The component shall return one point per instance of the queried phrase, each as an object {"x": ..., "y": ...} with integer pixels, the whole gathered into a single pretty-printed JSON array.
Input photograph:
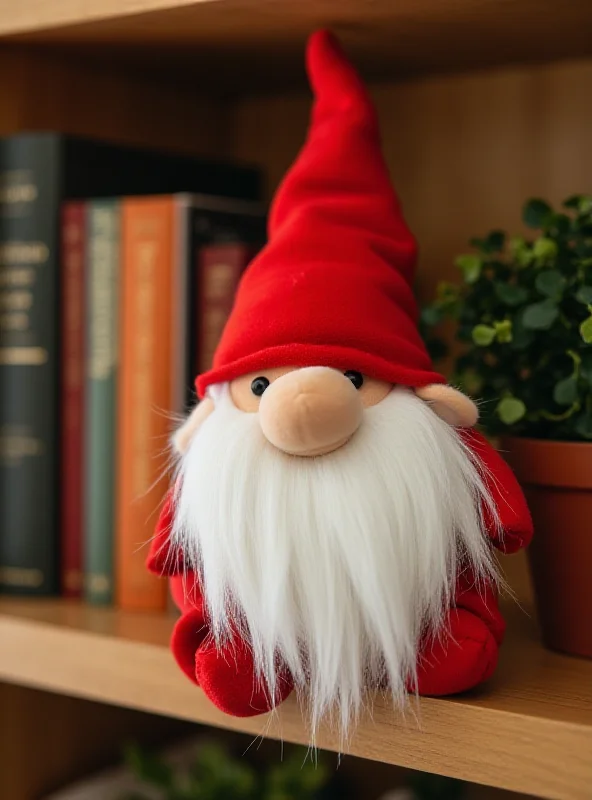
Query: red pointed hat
[{"x": 334, "y": 284}]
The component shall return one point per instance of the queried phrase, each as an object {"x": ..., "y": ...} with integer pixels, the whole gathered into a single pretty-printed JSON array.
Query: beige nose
[{"x": 310, "y": 411}]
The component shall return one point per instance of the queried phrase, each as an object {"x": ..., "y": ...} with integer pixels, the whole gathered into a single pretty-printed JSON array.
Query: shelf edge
[{"x": 458, "y": 739}]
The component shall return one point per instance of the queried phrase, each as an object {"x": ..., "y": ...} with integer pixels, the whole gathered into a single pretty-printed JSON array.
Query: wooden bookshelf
[
  {"x": 529, "y": 731},
  {"x": 233, "y": 42},
  {"x": 482, "y": 103}
]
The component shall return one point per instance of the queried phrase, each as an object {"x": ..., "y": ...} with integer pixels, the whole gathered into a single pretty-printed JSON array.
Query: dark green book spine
[
  {"x": 101, "y": 387},
  {"x": 29, "y": 317}
]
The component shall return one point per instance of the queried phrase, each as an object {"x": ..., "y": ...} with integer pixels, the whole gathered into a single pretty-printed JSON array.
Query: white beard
[{"x": 337, "y": 565}]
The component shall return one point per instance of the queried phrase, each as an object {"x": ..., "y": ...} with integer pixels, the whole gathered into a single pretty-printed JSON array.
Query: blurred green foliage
[
  {"x": 523, "y": 309},
  {"x": 216, "y": 774}
]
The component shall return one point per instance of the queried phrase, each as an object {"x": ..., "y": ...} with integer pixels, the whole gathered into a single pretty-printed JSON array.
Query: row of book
[{"x": 118, "y": 269}]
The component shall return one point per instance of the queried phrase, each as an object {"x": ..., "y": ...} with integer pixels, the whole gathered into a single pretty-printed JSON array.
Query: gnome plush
[{"x": 332, "y": 522}]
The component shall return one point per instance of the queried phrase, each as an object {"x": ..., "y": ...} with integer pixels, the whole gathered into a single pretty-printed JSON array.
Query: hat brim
[{"x": 306, "y": 355}]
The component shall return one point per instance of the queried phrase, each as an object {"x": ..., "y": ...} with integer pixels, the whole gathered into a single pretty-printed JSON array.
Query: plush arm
[
  {"x": 514, "y": 516},
  {"x": 162, "y": 560}
]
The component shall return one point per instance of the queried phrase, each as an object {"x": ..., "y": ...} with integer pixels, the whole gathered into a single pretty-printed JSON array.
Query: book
[
  {"x": 161, "y": 243},
  {"x": 29, "y": 297},
  {"x": 72, "y": 354},
  {"x": 38, "y": 171},
  {"x": 102, "y": 310},
  {"x": 225, "y": 235},
  {"x": 219, "y": 269},
  {"x": 150, "y": 229}
]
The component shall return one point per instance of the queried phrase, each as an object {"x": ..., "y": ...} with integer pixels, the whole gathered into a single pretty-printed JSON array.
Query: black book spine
[
  {"x": 29, "y": 317},
  {"x": 208, "y": 226}
]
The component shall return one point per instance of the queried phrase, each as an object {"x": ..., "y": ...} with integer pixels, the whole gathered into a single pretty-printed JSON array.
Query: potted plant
[{"x": 524, "y": 347}]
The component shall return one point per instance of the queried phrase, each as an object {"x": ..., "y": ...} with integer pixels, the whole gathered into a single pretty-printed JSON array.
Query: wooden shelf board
[
  {"x": 252, "y": 43},
  {"x": 530, "y": 730}
]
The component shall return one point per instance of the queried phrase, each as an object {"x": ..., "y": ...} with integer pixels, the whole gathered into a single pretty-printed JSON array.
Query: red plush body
[{"x": 465, "y": 656}]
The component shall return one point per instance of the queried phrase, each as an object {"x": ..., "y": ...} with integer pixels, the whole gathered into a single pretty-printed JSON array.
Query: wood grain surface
[
  {"x": 529, "y": 730},
  {"x": 85, "y": 97},
  {"x": 246, "y": 42}
]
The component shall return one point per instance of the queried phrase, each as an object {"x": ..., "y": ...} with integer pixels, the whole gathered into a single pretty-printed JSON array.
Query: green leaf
[
  {"x": 510, "y": 410},
  {"x": 493, "y": 242},
  {"x": 483, "y": 335},
  {"x": 585, "y": 204},
  {"x": 471, "y": 265},
  {"x": 551, "y": 283},
  {"x": 521, "y": 251},
  {"x": 510, "y": 294},
  {"x": 521, "y": 338},
  {"x": 572, "y": 202},
  {"x": 586, "y": 368},
  {"x": 576, "y": 360},
  {"x": 583, "y": 425},
  {"x": 544, "y": 249},
  {"x": 470, "y": 382},
  {"x": 540, "y": 316},
  {"x": 560, "y": 417},
  {"x": 431, "y": 315},
  {"x": 536, "y": 213},
  {"x": 447, "y": 293},
  {"x": 503, "y": 331},
  {"x": 149, "y": 767},
  {"x": 584, "y": 295},
  {"x": 560, "y": 223},
  {"x": 565, "y": 392},
  {"x": 586, "y": 330}
]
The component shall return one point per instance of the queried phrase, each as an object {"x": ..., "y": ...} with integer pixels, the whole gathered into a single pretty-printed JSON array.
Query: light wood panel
[
  {"x": 41, "y": 90},
  {"x": 239, "y": 42},
  {"x": 530, "y": 730},
  {"x": 464, "y": 151},
  {"x": 47, "y": 740}
]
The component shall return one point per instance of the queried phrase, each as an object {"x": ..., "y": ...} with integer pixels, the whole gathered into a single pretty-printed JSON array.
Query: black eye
[
  {"x": 259, "y": 385},
  {"x": 355, "y": 377}
]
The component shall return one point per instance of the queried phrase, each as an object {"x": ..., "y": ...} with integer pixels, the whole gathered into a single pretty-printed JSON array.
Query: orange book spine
[{"x": 146, "y": 392}]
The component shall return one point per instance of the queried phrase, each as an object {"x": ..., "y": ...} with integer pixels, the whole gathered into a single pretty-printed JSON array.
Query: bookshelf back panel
[
  {"x": 48, "y": 740},
  {"x": 49, "y": 91}
]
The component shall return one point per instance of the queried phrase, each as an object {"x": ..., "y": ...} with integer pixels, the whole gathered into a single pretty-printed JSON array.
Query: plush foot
[
  {"x": 465, "y": 656},
  {"x": 189, "y": 633},
  {"x": 228, "y": 679}
]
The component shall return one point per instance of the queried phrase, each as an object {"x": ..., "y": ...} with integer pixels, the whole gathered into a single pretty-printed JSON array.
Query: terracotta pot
[{"x": 557, "y": 481}]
